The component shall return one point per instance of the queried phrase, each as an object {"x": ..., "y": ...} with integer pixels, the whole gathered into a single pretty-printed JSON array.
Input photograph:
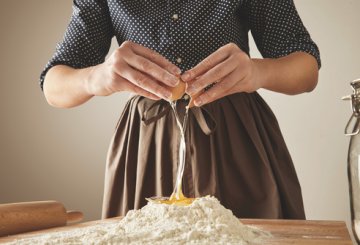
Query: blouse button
[
  {"x": 178, "y": 60},
  {"x": 175, "y": 17}
]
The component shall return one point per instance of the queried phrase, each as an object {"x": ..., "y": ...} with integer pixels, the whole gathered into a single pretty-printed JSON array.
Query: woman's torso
[{"x": 185, "y": 32}]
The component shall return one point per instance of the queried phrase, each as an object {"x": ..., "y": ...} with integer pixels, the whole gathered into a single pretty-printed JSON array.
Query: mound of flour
[{"x": 205, "y": 221}]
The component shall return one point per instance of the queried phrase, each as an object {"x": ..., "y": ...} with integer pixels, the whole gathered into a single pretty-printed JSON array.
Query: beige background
[{"x": 48, "y": 153}]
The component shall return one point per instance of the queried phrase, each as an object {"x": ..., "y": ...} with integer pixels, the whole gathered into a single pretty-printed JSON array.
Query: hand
[
  {"x": 134, "y": 68},
  {"x": 229, "y": 68}
]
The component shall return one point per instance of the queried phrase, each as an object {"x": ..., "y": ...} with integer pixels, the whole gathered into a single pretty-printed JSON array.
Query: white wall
[
  {"x": 48, "y": 153},
  {"x": 313, "y": 123}
]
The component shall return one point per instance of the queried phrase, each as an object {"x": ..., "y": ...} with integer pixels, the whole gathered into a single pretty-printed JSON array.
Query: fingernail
[
  {"x": 176, "y": 71},
  {"x": 167, "y": 94},
  {"x": 173, "y": 80},
  {"x": 198, "y": 101},
  {"x": 185, "y": 77}
]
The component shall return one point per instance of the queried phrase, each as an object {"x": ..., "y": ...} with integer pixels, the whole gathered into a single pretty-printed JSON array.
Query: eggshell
[{"x": 178, "y": 91}]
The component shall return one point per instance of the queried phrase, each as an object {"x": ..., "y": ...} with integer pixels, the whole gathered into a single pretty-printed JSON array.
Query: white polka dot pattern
[
  {"x": 185, "y": 32},
  {"x": 278, "y": 30}
]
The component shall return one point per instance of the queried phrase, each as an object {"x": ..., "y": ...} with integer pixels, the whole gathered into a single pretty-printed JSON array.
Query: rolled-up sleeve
[
  {"x": 278, "y": 30},
  {"x": 87, "y": 38}
]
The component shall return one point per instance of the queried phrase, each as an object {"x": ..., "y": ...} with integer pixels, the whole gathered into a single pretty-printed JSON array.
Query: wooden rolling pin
[{"x": 31, "y": 216}]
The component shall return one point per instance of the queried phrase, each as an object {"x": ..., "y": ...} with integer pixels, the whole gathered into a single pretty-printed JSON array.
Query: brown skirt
[{"x": 235, "y": 152}]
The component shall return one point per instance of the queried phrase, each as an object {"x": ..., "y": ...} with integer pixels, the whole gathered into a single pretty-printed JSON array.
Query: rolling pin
[{"x": 31, "y": 216}]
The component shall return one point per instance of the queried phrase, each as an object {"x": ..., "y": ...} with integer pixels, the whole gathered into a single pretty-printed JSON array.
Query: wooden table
[{"x": 283, "y": 231}]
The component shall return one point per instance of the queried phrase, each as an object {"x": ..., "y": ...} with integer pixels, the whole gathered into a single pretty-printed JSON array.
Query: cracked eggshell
[{"x": 178, "y": 91}]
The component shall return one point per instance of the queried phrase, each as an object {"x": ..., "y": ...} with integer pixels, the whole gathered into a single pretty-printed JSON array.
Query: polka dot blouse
[{"x": 184, "y": 31}]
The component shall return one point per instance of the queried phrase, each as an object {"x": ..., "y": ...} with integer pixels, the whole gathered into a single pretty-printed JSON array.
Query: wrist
[
  {"x": 261, "y": 73},
  {"x": 90, "y": 75}
]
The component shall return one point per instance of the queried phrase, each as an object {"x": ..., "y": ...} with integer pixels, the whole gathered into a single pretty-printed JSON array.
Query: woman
[{"x": 235, "y": 148}]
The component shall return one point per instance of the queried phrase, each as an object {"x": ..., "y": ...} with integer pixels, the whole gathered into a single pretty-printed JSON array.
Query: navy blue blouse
[{"x": 184, "y": 31}]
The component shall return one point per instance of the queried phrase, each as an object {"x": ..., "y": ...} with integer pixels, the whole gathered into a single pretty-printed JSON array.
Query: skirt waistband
[{"x": 160, "y": 108}]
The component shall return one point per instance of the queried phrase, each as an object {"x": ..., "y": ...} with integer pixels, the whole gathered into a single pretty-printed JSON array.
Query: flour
[{"x": 205, "y": 221}]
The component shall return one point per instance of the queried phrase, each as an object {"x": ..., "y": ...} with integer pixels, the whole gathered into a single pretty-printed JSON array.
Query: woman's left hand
[{"x": 230, "y": 68}]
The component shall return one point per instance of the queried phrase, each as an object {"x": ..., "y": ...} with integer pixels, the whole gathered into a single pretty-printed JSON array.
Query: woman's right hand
[{"x": 134, "y": 68}]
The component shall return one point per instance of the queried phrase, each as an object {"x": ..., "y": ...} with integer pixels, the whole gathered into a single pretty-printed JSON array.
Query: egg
[
  {"x": 178, "y": 91},
  {"x": 176, "y": 198}
]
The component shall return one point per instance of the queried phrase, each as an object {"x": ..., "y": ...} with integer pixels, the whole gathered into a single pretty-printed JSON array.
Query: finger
[
  {"x": 156, "y": 58},
  {"x": 137, "y": 90},
  {"x": 209, "y": 62},
  {"x": 145, "y": 82},
  {"x": 219, "y": 90},
  {"x": 192, "y": 99},
  {"x": 215, "y": 74},
  {"x": 121, "y": 84},
  {"x": 148, "y": 67}
]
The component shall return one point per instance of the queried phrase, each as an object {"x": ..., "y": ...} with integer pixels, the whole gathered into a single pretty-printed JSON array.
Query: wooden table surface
[{"x": 283, "y": 231}]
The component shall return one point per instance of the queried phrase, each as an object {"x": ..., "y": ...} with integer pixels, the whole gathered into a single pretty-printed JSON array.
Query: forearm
[
  {"x": 293, "y": 74},
  {"x": 66, "y": 87}
]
